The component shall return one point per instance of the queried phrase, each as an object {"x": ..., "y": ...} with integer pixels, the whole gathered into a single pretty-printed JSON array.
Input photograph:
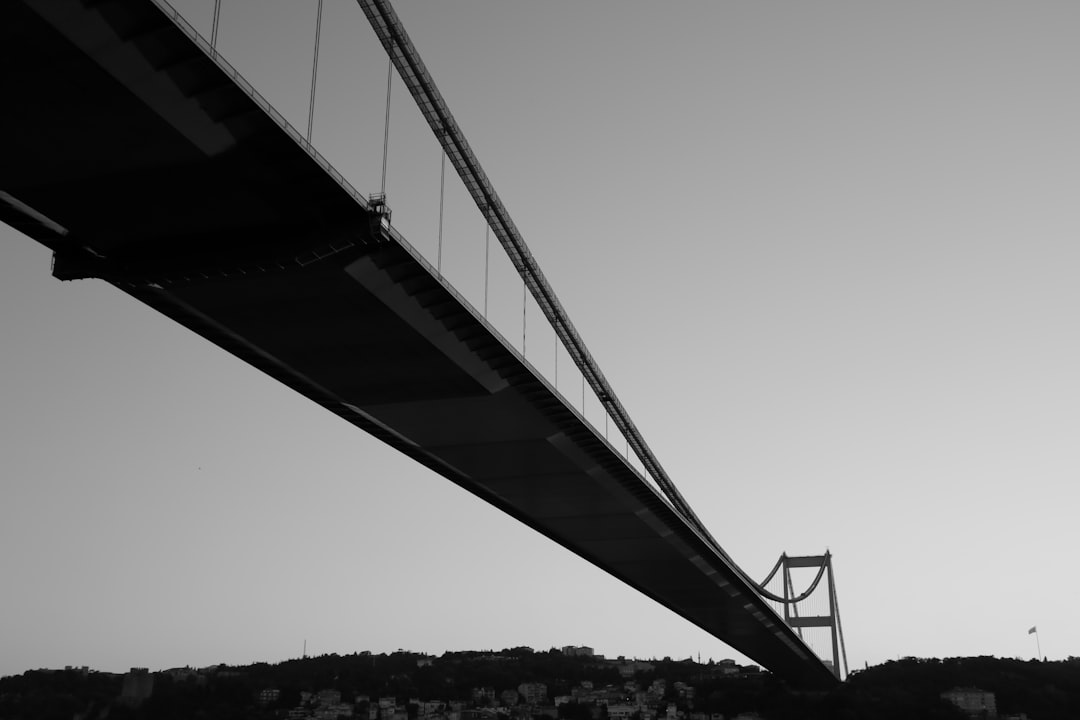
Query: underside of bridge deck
[{"x": 137, "y": 160}]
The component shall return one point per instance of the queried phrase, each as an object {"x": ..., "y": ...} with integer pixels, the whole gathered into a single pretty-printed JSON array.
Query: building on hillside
[
  {"x": 533, "y": 693},
  {"x": 138, "y": 686},
  {"x": 268, "y": 695},
  {"x": 973, "y": 701},
  {"x": 578, "y": 651},
  {"x": 483, "y": 696},
  {"x": 431, "y": 708},
  {"x": 334, "y": 711},
  {"x": 329, "y": 697},
  {"x": 627, "y": 668},
  {"x": 621, "y": 712},
  {"x": 685, "y": 692}
]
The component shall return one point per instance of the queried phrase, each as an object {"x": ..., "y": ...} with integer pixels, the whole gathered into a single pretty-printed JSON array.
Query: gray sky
[{"x": 826, "y": 254}]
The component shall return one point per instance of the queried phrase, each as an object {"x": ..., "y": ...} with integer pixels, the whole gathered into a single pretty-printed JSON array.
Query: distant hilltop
[{"x": 570, "y": 683}]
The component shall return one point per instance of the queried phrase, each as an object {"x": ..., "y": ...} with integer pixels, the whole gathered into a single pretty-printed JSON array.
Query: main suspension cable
[{"x": 418, "y": 80}]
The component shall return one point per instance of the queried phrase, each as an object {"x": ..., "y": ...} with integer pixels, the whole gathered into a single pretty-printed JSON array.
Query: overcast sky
[{"x": 826, "y": 253}]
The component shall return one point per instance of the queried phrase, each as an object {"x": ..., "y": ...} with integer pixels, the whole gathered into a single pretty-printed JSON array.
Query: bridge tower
[{"x": 826, "y": 617}]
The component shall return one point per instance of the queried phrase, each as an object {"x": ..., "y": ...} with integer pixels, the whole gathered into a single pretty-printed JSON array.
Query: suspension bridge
[{"x": 235, "y": 226}]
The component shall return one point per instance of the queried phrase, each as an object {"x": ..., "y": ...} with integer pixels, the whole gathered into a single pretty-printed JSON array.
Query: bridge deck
[{"x": 137, "y": 160}]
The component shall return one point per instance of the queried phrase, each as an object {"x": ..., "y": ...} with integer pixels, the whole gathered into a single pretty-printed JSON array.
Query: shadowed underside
[{"x": 138, "y": 160}]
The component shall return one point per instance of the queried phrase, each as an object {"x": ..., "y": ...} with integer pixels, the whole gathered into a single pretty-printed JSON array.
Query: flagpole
[{"x": 1038, "y": 645}]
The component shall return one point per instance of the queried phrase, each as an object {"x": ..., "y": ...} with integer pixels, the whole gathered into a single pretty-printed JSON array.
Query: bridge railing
[{"x": 181, "y": 22}]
